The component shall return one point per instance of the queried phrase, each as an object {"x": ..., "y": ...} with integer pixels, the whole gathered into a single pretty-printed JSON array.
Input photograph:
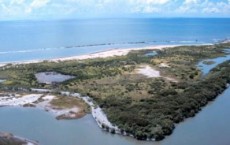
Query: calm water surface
[
  {"x": 30, "y": 40},
  {"x": 209, "y": 127},
  {"x": 52, "y": 77},
  {"x": 21, "y": 41},
  {"x": 150, "y": 54},
  {"x": 206, "y": 68}
]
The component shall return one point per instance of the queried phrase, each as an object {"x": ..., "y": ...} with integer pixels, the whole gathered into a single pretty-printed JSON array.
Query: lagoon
[
  {"x": 206, "y": 128},
  {"x": 69, "y": 38}
]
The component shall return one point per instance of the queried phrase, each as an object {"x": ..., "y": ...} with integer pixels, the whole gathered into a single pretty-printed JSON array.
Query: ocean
[
  {"x": 36, "y": 40},
  {"x": 32, "y": 40}
]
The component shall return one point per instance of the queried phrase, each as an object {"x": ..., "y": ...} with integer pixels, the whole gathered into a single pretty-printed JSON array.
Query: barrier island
[{"x": 143, "y": 93}]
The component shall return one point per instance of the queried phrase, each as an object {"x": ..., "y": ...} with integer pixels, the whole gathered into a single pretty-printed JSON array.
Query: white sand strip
[
  {"x": 59, "y": 112},
  {"x": 103, "y": 54},
  {"x": 112, "y": 53},
  {"x": 97, "y": 113},
  {"x": 17, "y": 100},
  {"x": 14, "y": 101},
  {"x": 101, "y": 118},
  {"x": 41, "y": 90}
]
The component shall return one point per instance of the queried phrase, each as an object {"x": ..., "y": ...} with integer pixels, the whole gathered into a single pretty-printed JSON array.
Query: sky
[{"x": 71, "y": 9}]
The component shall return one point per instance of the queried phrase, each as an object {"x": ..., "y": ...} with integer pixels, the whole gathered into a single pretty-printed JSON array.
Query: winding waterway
[
  {"x": 206, "y": 68},
  {"x": 209, "y": 127}
]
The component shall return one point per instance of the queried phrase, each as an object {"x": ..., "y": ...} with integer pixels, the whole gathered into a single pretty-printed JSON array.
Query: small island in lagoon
[{"x": 128, "y": 91}]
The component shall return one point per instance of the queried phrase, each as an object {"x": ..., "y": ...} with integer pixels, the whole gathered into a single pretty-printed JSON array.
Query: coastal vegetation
[
  {"x": 64, "y": 102},
  {"x": 10, "y": 139},
  {"x": 67, "y": 102},
  {"x": 208, "y": 62},
  {"x": 140, "y": 106}
]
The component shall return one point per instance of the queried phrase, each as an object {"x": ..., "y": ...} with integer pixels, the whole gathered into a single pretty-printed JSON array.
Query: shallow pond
[
  {"x": 151, "y": 53},
  {"x": 209, "y": 127},
  {"x": 206, "y": 68},
  {"x": 52, "y": 77}
]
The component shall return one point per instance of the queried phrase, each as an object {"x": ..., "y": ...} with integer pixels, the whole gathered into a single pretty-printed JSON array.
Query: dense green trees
[
  {"x": 143, "y": 107},
  {"x": 156, "y": 116}
]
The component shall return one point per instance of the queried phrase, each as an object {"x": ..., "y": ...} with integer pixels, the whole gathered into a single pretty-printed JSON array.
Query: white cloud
[
  {"x": 39, "y": 3},
  {"x": 211, "y": 10},
  {"x": 147, "y": 6},
  {"x": 205, "y": 7},
  {"x": 150, "y": 9},
  {"x": 94, "y": 8},
  {"x": 35, "y": 4},
  {"x": 17, "y": 2},
  {"x": 187, "y": 2},
  {"x": 9, "y": 9},
  {"x": 149, "y": 2}
]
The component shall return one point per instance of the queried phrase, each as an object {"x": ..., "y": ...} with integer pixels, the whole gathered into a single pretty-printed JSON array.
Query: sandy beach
[
  {"x": 112, "y": 53},
  {"x": 41, "y": 101},
  {"x": 101, "y": 54}
]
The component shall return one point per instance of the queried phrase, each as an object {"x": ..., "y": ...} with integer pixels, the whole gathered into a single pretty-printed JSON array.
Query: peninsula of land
[{"x": 141, "y": 92}]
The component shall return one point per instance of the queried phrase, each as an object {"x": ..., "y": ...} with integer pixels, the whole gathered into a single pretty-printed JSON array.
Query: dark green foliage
[
  {"x": 143, "y": 107},
  {"x": 11, "y": 141},
  {"x": 170, "y": 107}
]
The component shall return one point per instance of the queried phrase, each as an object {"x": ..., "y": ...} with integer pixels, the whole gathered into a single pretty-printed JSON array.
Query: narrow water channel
[
  {"x": 206, "y": 68},
  {"x": 209, "y": 127}
]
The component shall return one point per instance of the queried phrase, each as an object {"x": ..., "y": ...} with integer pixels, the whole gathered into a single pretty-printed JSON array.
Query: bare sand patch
[
  {"x": 164, "y": 65},
  {"x": 40, "y": 101},
  {"x": 148, "y": 71}
]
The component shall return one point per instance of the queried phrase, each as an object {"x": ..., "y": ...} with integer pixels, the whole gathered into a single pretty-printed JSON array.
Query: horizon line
[{"x": 101, "y": 18}]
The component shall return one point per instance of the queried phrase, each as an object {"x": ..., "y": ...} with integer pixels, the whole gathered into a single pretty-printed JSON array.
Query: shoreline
[
  {"x": 41, "y": 100},
  {"x": 113, "y": 52},
  {"x": 103, "y": 122},
  {"x": 17, "y": 139}
]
